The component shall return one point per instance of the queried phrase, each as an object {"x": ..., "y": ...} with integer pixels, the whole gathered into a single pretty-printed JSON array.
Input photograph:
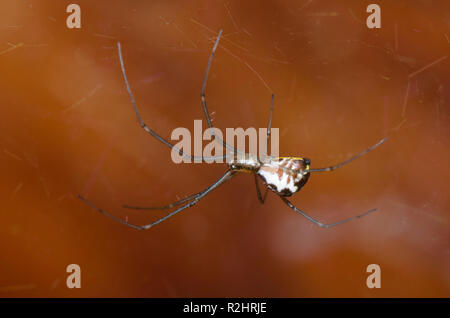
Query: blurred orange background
[{"x": 67, "y": 127}]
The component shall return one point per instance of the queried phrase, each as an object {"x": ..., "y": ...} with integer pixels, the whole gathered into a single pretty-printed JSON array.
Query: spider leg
[
  {"x": 144, "y": 126},
  {"x": 331, "y": 168},
  {"x": 261, "y": 198},
  {"x": 165, "y": 207},
  {"x": 203, "y": 97},
  {"x": 258, "y": 191},
  {"x": 228, "y": 174},
  {"x": 289, "y": 204},
  {"x": 269, "y": 127}
]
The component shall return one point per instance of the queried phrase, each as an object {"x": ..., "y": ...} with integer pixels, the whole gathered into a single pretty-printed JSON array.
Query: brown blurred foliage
[{"x": 67, "y": 127}]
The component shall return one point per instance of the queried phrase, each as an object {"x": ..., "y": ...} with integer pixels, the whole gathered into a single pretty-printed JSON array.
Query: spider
[{"x": 284, "y": 176}]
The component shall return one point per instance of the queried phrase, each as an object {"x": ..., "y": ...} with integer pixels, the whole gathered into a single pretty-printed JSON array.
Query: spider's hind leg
[
  {"x": 331, "y": 168},
  {"x": 289, "y": 204},
  {"x": 261, "y": 198}
]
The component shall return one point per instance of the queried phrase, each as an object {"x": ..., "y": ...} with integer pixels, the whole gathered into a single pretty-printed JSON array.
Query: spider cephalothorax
[{"x": 245, "y": 163}]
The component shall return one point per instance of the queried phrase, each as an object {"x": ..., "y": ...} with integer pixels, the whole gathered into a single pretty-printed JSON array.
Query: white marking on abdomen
[{"x": 286, "y": 182}]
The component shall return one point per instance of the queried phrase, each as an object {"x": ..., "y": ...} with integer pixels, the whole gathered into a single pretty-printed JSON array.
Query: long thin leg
[
  {"x": 224, "y": 178},
  {"x": 205, "y": 79},
  {"x": 349, "y": 160},
  {"x": 144, "y": 126},
  {"x": 169, "y": 206},
  {"x": 289, "y": 204},
  {"x": 261, "y": 198},
  {"x": 203, "y": 97},
  {"x": 269, "y": 126}
]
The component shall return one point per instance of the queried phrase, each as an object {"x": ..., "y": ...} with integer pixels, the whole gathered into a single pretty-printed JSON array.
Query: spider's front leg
[
  {"x": 195, "y": 198},
  {"x": 165, "y": 207}
]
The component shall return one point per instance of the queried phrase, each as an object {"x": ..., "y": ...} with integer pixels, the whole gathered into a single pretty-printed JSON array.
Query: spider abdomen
[{"x": 285, "y": 175}]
